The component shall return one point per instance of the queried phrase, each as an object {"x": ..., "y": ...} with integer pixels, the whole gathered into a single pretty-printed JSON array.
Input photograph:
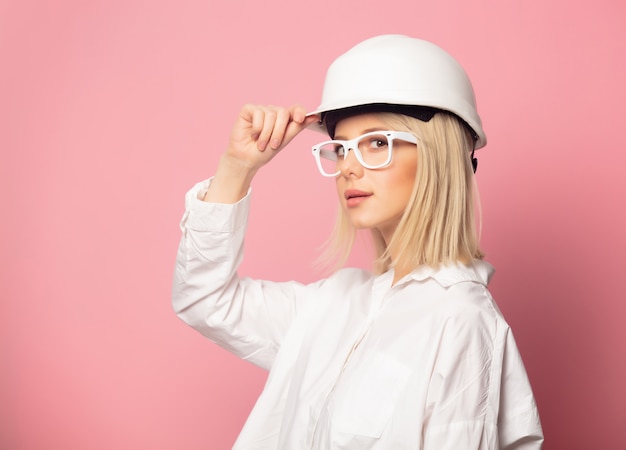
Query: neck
[
  {"x": 401, "y": 269},
  {"x": 399, "y": 272}
]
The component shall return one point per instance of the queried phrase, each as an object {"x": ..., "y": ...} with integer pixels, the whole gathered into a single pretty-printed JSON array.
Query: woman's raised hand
[
  {"x": 261, "y": 131},
  {"x": 258, "y": 134}
]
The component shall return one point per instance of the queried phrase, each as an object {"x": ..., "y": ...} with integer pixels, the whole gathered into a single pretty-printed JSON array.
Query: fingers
[
  {"x": 300, "y": 121},
  {"x": 282, "y": 118},
  {"x": 273, "y": 126},
  {"x": 298, "y": 113},
  {"x": 289, "y": 123}
]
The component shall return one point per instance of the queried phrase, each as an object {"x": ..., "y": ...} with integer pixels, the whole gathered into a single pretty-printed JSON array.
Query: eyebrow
[{"x": 368, "y": 130}]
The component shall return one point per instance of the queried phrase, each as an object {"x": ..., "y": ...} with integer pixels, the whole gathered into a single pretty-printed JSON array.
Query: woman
[{"x": 413, "y": 356}]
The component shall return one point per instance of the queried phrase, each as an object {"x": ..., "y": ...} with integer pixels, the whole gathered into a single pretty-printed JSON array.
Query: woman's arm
[
  {"x": 258, "y": 134},
  {"x": 246, "y": 317}
]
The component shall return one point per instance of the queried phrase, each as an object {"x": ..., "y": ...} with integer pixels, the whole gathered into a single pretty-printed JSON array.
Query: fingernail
[{"x": 261, "y": 145}]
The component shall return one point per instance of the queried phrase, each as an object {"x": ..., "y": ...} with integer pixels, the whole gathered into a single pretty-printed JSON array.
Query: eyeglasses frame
[{"x": 353, "y": 144}]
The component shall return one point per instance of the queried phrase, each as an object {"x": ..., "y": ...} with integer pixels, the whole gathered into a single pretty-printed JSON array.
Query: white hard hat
[{"x": 400, "y": 71}]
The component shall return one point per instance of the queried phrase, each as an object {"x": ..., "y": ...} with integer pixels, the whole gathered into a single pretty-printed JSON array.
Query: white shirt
[{"x": 356, "y": 363}]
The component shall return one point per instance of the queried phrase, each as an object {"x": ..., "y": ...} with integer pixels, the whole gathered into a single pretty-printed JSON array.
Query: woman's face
[{"x": 375, "y": 199}]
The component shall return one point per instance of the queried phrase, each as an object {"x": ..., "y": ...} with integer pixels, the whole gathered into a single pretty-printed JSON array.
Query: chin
[{"x": 361, "y": 224}]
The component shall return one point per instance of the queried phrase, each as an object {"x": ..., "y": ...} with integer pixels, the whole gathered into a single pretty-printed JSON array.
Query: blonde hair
[{"x": 438, "y": 225}]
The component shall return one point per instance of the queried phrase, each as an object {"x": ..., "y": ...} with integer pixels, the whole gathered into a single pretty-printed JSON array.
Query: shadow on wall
[{"x": 553, "y": 287}]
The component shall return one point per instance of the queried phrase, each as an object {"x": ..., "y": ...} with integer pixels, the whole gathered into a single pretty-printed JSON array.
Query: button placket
[{"x": 380, "y": 291}]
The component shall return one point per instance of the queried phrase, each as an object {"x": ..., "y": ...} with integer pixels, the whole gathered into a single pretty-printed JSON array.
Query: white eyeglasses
[{"x": 372, "y": 150}]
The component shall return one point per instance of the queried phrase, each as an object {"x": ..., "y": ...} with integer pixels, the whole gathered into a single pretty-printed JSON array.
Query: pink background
[{"x": 110, "y": 110}]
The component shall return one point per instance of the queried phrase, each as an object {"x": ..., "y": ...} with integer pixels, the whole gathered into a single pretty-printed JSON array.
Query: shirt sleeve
[
  {"x": 479, "y": 395},
  {"x": 246, "y": 317},
  {"x": 518, "y": 422},
  {"x": 458, "y": 392}
]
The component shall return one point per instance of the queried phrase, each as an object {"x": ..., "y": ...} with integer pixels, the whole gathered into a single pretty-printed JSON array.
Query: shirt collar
[{"x": 477, "y": 271}]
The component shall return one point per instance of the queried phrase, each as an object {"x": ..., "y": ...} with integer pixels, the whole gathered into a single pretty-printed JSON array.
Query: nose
[{"x": 350, "y": 165}]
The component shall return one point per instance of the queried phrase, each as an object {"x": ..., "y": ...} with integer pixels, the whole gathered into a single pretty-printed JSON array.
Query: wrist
[{"x": 231, "y": 181}]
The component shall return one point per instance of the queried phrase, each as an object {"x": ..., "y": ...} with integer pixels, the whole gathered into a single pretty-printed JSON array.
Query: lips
[
  {"x": 352, "y": 193},
  {"x": 354, "y": 197}
]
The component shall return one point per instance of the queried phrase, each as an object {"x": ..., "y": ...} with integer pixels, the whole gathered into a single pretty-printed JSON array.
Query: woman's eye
[
  {"x": 339, "y": 150},
  {"x": 378, "y": 143}
]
